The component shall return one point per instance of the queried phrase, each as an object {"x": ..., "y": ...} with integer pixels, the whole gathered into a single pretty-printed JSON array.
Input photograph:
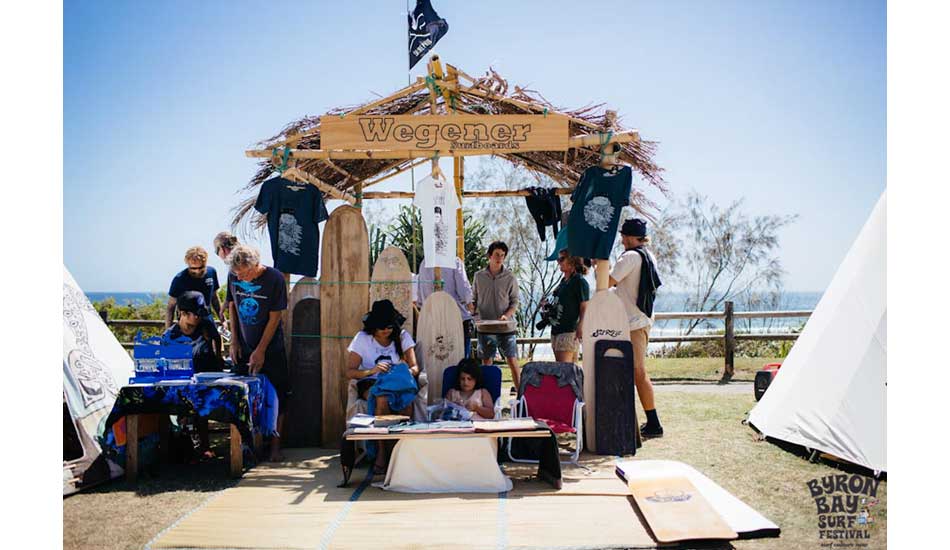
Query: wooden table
[{"x": 235, "y": 464}]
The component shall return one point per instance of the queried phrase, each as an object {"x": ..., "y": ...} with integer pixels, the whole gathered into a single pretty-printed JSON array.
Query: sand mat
[{"x": 297, "y": 505}]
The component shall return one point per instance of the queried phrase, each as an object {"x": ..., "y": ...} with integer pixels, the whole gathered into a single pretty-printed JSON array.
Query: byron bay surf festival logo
[{"x": 845, "y": 507}]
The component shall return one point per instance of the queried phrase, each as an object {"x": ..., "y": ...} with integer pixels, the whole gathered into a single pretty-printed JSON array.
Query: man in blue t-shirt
[
  {"x": 293, "y": 211},
  {"x": 259, "y": 298},
  {"x": 198, "y": 276}
]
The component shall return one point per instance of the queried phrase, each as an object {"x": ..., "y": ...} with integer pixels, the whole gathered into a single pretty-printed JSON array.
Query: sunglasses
[
  {"x": 197, "y": 269},
  {"x": 562, "y": 258}
]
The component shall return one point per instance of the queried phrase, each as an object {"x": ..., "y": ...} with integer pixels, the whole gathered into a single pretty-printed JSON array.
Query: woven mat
[{"x": 297, "y": 505}]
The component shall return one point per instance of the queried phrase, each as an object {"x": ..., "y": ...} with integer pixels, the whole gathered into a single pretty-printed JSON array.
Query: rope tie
[
  {"x": 283, "y": 163},
  {"x": 604, "y": 141}
]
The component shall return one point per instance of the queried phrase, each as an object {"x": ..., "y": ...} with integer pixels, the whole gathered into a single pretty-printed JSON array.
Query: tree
[
  {"x": 718, "y": 254},
  {"x": 405, "y": 233}
]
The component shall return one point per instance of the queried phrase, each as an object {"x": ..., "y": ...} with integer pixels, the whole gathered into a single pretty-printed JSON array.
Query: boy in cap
[
  {"x": 194, "y": 323},
  {"x": 635, "y": 279}
]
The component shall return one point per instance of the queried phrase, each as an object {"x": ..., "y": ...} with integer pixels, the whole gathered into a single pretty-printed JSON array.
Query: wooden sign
[{"x": 468, "y": 133}]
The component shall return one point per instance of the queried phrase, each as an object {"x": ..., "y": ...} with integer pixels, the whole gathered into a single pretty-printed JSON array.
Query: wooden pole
[
  {"x": 131, "y": 447},
  {"x": 285, "y": 317},
  {"x": 297, "y": 174},
  {"x": 459, "y": 225},
  {"x": 730, "y": 344},
  {"x": 435, "y": 69},
  {"x": 467, "y": 194}
]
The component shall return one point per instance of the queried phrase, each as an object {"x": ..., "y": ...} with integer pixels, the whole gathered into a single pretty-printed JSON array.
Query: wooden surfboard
[
  {"x": 344, "y": 259},
  {"x": 391, "y": 265},
  {"x": 306, "y": 404},
  {"x": 303, "y": 288},
  {"x": 676, "y": 511},
  {"x": 441, "y": 342},
  {"x": 605, "y": 319}
]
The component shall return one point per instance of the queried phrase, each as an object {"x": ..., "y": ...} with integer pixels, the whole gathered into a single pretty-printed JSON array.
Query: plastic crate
[{"x": 157, "y": 358}]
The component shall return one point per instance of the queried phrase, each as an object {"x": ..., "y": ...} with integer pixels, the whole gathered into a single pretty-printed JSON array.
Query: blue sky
[{"x": 781, "y": 103}]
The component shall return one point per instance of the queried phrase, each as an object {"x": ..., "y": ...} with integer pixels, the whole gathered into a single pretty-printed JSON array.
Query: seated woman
[
  {"x": 470, "y": 393},
  {"x": 195, "y": 324},
  {"x": 374, "y": 350}
]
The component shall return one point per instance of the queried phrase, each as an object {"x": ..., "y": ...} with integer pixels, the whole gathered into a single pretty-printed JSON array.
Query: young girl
[{"x": 469, "y": 393}]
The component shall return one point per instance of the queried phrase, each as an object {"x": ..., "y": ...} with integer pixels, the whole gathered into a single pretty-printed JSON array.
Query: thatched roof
[{"x": 489, "y": 94}]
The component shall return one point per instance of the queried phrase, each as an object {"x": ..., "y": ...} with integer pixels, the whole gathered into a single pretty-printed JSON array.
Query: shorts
[
  {"x": 275, "y": 367},
  {"x": 488, "y": 344},
  {"x": 565, "y": 341}
]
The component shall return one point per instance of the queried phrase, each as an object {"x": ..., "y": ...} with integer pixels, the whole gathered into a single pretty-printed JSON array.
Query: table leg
[
  {"x": 164, "y": 433},
  {"x": 237, "y": 457},
  {"x": 131, "y": 447}
]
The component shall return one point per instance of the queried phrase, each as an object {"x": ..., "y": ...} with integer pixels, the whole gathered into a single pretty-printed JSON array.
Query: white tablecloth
[{"x": 464, "y": 464}]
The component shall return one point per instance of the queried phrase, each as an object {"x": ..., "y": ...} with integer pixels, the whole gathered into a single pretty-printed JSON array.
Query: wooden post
[
  {"x": 459, "y": 225},
  {"x": 104, "y": 313},
  {"x": 285, "y": 317},
  {"x": 237, "y": 458},
  {"x": 131, "y": 447},
  {"x": 730, "y": 344},
  {"x": 435, "y": 69}
]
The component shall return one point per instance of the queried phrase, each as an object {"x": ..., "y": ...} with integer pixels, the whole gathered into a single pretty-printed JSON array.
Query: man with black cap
[
  {"x": 195, "y": 324},
  {"x": 635, "y": 279}
]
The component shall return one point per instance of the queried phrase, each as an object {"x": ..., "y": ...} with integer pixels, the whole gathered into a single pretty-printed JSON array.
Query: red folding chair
[{"x": 557, "y": 407}]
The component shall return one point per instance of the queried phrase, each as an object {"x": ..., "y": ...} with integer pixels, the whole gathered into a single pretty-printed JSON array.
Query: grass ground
[{"x": 704, "y": 430}]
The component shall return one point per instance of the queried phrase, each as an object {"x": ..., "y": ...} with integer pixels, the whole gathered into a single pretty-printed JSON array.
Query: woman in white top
[{"x": 374, "y": 350}]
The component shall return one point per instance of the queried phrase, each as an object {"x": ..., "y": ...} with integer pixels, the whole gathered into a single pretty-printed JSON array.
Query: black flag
[{"x": 425, "y": 29}]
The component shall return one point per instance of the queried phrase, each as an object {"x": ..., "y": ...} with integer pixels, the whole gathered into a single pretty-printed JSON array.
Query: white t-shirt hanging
[{"x": 438, "y": 203}]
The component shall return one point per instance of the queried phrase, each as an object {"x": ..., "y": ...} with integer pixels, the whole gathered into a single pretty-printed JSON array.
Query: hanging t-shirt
[
  {"x": 566, "y": 303},
  {"x": 207, "y": 284},
  {"x": 254, "y": 301},
  {"x": 598, "y": 199},
  {"x": 293, "y": 211},
  {"x": 438, "y": 203},
  {"x": 372, "y": 352}
]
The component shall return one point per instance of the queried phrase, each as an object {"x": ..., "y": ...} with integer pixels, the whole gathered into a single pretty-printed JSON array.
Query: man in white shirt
[{"x": 627, "y": 276}]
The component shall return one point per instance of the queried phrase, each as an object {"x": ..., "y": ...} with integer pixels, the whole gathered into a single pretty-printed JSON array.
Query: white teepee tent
[
  {"x": 94, "y": 368},
  {"x": 831, "y": 392}
]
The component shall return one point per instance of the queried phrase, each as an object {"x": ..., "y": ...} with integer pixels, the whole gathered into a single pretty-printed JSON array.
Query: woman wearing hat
[{"x": 374, "y": 350}]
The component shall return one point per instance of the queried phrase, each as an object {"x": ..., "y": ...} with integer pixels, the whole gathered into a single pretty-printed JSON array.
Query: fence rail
[{"x": 728, "y": 315}]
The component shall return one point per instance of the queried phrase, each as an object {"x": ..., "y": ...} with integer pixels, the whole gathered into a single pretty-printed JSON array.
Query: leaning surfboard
[
  {"x": 605, "y": 319},
  {"x": 344, "y": 299},
  {"x": 305, "y": 365},
  {"x": 391, "y": 281},
  {"x": 441, "y": 342}
]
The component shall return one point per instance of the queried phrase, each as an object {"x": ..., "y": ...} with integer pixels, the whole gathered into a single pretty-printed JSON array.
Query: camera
[{"x": 546, "y": 309}]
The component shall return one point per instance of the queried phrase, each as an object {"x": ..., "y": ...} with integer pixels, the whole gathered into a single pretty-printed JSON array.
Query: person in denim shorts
[
  {"x": 495, "y": 298},
  {"x": 567, "y": 306}
]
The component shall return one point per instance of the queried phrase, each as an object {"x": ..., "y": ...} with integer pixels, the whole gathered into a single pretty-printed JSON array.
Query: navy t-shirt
[
  {"x": 254, "y": 301},
  {"x": 206, "y": 285},
  {"x": 293, "y": 211},
  {"x": 599, "y": 197},
  {"x": 202, "y": 339}
]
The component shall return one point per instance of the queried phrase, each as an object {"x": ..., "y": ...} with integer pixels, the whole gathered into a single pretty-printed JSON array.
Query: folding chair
[
  {"x": 558, "y": 407},
  {"x": 491, "y": 379}
]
